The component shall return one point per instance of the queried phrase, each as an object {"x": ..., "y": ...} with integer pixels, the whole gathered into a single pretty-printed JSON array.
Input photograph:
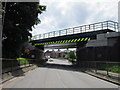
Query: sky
[{"x": 62, "y": 14}]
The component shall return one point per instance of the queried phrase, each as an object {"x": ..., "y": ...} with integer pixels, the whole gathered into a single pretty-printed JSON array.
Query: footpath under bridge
[{"x": 73, "y": 37}]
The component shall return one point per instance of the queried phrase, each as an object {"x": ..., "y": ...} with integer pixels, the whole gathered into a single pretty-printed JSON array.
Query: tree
[
  {"x": 18, "y": 20},
  {"x": 72, "y": 55}
]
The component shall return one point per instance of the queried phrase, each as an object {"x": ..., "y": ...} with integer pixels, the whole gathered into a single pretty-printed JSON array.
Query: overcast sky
[{"x": 62, "y": 14}]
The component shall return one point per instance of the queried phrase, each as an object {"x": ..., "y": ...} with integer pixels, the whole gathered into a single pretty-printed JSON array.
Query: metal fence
[
  {"x": 80, "y": 29},
  {"x": 110, "y": 69},
  {"x": 9, "y": 65}
]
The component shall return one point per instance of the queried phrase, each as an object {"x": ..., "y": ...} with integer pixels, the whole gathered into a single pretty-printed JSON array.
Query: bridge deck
[{"x": 85, "y": 31}]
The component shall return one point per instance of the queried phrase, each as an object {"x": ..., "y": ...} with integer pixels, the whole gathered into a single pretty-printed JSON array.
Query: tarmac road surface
[{"x": 57, "y": 76}]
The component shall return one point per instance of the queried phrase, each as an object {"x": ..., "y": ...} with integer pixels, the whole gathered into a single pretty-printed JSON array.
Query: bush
[
  {"x": 22, "y": 61},
  {"x": 111, "y": 67},
  {"x": 114, "y": 68},
  {"x": 72, "y": 55}
]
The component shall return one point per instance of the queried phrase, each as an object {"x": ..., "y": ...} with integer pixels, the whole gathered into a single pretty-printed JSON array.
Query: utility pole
[
  {"x": 1, "y": 41},
  {"x": 119, "y": 15},
  {"x": 1, "y": 29}
]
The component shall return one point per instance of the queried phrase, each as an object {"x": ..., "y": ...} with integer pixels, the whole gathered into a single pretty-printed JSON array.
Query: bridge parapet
[{"x": 80, "y": 29}]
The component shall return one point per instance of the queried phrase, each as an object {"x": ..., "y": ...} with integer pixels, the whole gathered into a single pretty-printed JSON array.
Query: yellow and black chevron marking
[{"x": 64, "y": 41}]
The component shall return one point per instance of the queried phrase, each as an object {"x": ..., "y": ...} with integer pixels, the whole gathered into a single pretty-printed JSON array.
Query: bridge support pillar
[
  {"x": 104, "y": 48},
  {"x": 79, "y": 52},
  {"x": 34, "y": 52}
]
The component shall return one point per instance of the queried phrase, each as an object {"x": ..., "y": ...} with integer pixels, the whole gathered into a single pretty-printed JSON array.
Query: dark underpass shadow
[
  {"x": 62, "y": 67},
  {"x": 9, "y": 72},
  {"x": 20, "y": 70}
]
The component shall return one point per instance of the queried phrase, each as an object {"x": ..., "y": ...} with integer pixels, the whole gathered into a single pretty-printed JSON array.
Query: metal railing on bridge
[{"x": 80, "y": 29}]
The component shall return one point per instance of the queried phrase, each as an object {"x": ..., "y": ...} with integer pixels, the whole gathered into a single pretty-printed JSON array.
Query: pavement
[
  {"x": 18, "y": 72},
  {"x": 57, "y": 76}
]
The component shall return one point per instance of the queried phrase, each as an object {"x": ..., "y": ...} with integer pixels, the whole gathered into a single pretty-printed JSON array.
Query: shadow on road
[{"x": 62, "y": 67}]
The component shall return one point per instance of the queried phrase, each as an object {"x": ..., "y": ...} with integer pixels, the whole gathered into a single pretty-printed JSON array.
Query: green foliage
[
  {"x": 110, "y": 67},
  {"x": 72, "y": 55},
  {"x": 19, "y": 19},
  {"x": 64, "y": 55},
  {"x": 1, "y": 10},
  {"x": 114, "y": 68},
  {"x": 75, "y": 60},
  {"x": 22, "y": 61}
]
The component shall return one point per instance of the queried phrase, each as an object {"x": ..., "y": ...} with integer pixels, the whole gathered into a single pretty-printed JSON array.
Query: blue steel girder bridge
[{"x": 73, "y": 37}]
